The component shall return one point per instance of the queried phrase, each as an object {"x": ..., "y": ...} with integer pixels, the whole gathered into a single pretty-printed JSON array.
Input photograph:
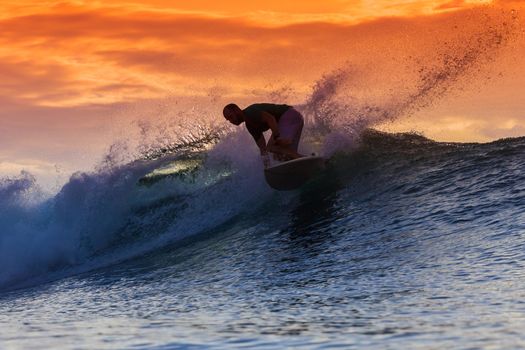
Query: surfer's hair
[{"x": 229, "y": 107}]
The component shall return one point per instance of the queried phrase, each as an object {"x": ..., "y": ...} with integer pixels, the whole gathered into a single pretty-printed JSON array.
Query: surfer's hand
[
  {"x": 266, "y": 160},
  {"x": 283, "y": 142}
]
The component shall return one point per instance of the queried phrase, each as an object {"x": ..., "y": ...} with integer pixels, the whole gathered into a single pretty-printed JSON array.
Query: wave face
[
  {"x": 400, "y": 240},
  {"x": 116, "y": 214},
  {"x": 108, "y": 215}
]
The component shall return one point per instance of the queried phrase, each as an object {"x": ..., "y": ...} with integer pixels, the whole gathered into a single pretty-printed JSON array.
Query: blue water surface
[{"x": 402, "y": 244}]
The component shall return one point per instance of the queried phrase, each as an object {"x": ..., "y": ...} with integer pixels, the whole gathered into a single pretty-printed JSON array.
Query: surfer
[{"x": 285, "y": 122}]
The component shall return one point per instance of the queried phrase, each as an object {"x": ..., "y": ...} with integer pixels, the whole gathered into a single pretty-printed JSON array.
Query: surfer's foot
[
  {"x": 294, "y": 155},
  {"x": 284, "y": 153},
  {"x": 282, "y": 157}
]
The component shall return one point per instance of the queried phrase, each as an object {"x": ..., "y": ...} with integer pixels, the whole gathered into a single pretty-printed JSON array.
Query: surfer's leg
[
  {"x": 272, "y": 147},
  {"x": 282, "y": 153},
  {"x": 279, "y": 152},
  {"x": 290, "y": 127},
  {"x": 298, "y": 130}
]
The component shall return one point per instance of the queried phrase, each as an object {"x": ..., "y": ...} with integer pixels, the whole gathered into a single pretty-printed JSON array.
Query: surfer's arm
[
  {"x": 272, "y": 123},
  {"x": 261, "y": 143}
]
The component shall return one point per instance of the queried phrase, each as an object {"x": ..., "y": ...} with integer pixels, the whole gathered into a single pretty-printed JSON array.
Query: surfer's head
[{"x": 233, "y": 114}]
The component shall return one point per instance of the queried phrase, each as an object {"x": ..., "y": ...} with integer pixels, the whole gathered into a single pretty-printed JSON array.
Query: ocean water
[{"x": 401, "y": 243}]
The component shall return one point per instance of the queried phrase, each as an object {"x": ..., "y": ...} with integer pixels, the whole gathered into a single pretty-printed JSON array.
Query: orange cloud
[
  {"x": 68, "y": 55},
  {"x": 34, "y": 81},
  {"x": 455, "y": 4},
  {"x": 88, "y": 50}
]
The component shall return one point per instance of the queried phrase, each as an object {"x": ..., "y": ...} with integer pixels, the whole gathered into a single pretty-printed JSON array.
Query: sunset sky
[{"x": 76, "y": 74}]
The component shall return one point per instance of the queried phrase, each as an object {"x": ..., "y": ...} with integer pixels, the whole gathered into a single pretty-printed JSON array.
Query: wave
[
  {"x": 96, "y": 214},
  {"x": 106, "y": 217}
]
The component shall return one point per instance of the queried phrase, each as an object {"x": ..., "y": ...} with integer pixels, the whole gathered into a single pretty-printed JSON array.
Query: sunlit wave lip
[{"x": 186, "y": 170}]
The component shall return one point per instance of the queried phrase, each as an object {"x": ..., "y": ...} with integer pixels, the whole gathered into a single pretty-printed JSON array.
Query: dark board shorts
[{"x": 290, "y": 127}]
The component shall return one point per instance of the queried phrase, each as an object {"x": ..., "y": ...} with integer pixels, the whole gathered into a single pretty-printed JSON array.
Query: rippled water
[{"x": 402, "y": 244}]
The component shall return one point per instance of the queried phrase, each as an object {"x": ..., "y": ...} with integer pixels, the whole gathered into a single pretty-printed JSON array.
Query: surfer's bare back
[{"x": 285, "y": 122}]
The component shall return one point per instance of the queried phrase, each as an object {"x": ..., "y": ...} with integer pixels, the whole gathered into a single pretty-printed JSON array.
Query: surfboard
[{"x": 294, "y": 173}]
